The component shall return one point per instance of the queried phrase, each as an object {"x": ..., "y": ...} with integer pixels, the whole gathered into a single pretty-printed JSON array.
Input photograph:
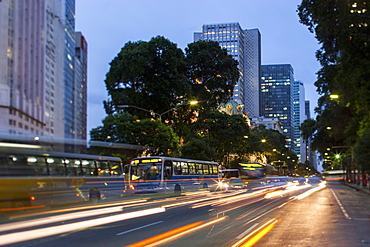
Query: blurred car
[{"x": 234, "y": 183}]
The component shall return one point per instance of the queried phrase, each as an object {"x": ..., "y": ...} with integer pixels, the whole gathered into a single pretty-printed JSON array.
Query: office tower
[
  {"x": 277, "y": 96},
  {"x": 307, "y": 109},
  {"x": 245, "y": 47},
  {"x": 37, "y": 72},
  {"x": 81, "y": 86},
  {"x": 299, "y": 117}
]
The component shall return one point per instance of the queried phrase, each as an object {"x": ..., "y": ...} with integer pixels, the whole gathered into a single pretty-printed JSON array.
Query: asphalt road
[
  {"x": 333, "y": 216},
  {"x": 336, "y": 216}
]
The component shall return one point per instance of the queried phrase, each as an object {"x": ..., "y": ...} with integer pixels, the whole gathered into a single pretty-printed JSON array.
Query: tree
[
  {"x": 125, "y": 128},
  {"x": 342, "y": 29},
  {"x": 199, "y": 149},
  {"x": 223, "y": 132},
  {"x": 150, "y": 75},
  {"x": 212, "y": 73}
]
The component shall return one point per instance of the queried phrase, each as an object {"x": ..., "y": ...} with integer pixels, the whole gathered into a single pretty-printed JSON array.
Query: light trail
[
  {"x": 12, "y": 238},
  {"x": 321, "y": 186},
  {"x": 53, "y": 219},
  {"x": 256, "y": 235},
  {"x": 286, "y": 191},
  {"x": 78, "y": 208},
  {"x": 174, "y": 234}
]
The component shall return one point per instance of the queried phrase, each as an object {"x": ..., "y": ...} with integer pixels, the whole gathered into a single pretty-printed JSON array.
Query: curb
[{"x": 363, "y": 190}]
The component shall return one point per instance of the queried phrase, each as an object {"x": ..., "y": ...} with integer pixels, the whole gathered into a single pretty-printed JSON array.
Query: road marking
[
  {"x": 246, "y": 231},
  {"x": 341, "y": 206},
  {"x": 138, "y": 228}
]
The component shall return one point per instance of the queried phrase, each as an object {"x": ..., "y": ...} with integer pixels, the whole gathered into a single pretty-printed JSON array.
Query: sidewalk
[{"x": 364, "y": 189}]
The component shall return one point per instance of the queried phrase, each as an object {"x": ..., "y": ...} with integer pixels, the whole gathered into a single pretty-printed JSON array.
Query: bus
[
  {"x": 159, "y": 174},
  {"x": 35, "y": 178},
  {"x": 334, "y": 174},
  {"x": 257, "y": 170}
]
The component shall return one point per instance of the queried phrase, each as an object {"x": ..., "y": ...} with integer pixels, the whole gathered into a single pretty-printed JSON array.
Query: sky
[{"x": 109, "y": 24}]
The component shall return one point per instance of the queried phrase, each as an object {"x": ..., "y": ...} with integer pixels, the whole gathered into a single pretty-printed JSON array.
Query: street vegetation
[
  {"x": 341, "y": 130},
  {"x": 150, "y": 85}
]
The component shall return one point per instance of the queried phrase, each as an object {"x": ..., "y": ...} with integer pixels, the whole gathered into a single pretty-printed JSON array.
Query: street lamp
[{"x": 192, "y": 102}]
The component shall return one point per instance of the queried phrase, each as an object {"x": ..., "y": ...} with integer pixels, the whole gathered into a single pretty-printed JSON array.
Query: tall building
[
  {"x": 299, "y": 116},
  {"x": 277, "y": 97},
  {"x": 37, "y": 72},
  {"x": 307, "y": 144},
  {"x": 81, "y": 87},
  {"x": 245, "y": 47}
]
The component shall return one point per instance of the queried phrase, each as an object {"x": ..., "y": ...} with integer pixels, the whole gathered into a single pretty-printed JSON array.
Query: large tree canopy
[
  {"x": 342, "y": 28},
  {"x": 150, "y": 75},
  {"x": 212, "y": 73},
  {"x": 156, "y": 77}
]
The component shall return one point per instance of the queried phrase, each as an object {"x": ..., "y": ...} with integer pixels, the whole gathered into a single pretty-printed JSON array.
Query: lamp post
[{"x": 193, "y": 102}]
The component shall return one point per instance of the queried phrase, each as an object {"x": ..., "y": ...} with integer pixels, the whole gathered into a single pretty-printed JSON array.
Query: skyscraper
[
  {"x": 277, "y": 96},
  {"x": 245, "y": 47},
  {"x": 37, "y": 72},
  {"x": 299, "y": 117}
]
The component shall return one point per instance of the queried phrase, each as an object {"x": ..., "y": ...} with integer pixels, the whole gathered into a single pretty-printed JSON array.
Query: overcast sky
[{"x": 108, "y": 24}]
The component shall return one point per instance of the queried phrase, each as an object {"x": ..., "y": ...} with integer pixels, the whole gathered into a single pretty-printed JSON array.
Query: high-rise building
[
  {"x": 277, "y": 97},
  {"x": 299, "y": 117},
  {"x": 245, "y": 47},
  {"x": 81, "y": 87},
  {"x": 38, "y": 87}
]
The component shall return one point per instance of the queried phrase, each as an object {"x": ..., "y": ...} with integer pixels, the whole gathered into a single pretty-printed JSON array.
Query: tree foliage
[
  {"x": 212, "y": 73},
  {"x": 342, "y": 28},
  {"x": 223, "y": 132},
  {"x": 125, "y": 128},
  {"x": 150, "y": 75}
]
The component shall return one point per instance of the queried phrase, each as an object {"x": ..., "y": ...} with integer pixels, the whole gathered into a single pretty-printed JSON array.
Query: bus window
[
  {"x": 215, "y": 169},
  {"x": 88, "y": 168},
  {"x": 115, "y": 168},
  {"x": 177, "y": 168},
  {"x": 103, "y": 168},
  {"x": 17, "y": 166},
  {"x": 39, "y": 165},
  {"x": 191, "y": 168},
  {"x": 184, "y": 168},
  {"x": 73, "y": 167},
  {"x": 56, "y": 167},
  {"x": 199, "y": 169},
  {"x": 167, "y": 169},
  {"x": 153, "y": 173},
  {"x": 206, "y": 169}
]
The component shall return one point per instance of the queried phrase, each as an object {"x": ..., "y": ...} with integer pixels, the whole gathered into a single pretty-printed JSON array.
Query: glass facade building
[
  {"x": 245, "y": 47},
  {"x": 277, "y": 94},
  {"x": 41, "y": 93},
  {"x": 299, "y": 117}
]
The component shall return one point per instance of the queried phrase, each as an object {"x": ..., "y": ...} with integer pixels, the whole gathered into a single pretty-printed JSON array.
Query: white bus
[
  {"x": 165, "y": 174},
  {"x": 35, "y": 178}
]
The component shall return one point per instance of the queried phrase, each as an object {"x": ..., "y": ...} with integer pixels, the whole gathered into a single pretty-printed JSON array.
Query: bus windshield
[{"x": 146, "y": 172}]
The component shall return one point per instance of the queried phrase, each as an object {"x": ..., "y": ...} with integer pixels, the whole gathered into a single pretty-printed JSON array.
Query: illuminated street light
[{"x": 334, "y": 96}]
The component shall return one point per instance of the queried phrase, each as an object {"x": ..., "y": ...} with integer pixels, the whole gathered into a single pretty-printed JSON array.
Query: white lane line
[
  {"x": 341, "y": 206},
  {"x": 121, "y": 233},
  {"x": 246, "y": 231}
]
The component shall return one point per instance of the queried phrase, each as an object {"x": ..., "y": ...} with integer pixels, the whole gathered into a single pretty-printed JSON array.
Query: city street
[
  {"x": 336, "y": 216},
  {"x": 333, "y": 216}
]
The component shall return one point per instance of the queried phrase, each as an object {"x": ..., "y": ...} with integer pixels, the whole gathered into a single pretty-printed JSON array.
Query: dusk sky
[{"x": 107, "y": 25}]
